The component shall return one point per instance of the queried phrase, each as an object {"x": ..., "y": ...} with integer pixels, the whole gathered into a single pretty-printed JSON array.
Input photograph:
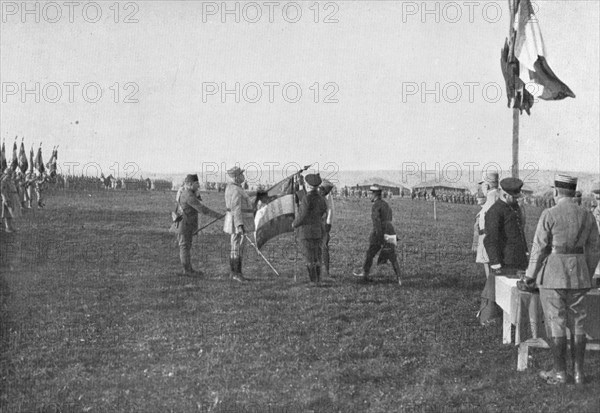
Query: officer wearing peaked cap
[
  {"x": 563, "y": 258},
  {"x": 239, "y": 219},
  {"x": 311, "y": 228},
  {"x": 504, "y": 243},
  {"x": 189, "y": 205},
  {"x": 383, "y": 236}
]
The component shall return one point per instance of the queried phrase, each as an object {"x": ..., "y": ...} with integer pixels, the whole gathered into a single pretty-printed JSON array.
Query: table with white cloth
[{"x": 524, "y": 311}]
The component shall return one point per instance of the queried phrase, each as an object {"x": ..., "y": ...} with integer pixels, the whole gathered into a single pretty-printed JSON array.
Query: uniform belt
[
  {"x": 243, "y": 210},
  {"x": 567, "y": 250}
]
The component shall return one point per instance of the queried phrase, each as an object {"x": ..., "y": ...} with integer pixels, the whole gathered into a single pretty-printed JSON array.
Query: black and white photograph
[{"x": 304, "y": 206}]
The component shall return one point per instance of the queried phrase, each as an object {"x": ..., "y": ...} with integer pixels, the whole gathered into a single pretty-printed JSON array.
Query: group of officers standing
[
  {"x": 312, "y": 224},
  {"x": 562, "y": 263}
]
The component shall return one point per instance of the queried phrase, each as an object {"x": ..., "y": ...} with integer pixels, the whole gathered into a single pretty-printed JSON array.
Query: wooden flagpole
[
  {"x": 515, "y": 143},
  {"x": 513, "y": 6}
]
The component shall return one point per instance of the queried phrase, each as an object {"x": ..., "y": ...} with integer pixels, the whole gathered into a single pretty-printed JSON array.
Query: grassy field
[{"x": 95, "y": 319}]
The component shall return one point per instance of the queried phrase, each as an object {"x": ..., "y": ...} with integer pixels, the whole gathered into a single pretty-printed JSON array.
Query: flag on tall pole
[
  {"x": 14, "y": 164},
  {"x": 23, "y": 164},
  {"x": 3, "y": 164},
  {"x": 52, "y": 162},
  {"x": 39, "y": 162},
  {"x": 523, "y": 60},
  {"x": 31, "y": 163}
]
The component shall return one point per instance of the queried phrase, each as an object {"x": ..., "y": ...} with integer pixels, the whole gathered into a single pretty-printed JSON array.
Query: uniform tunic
[
  {"x": 504, "y": 239},
  {"x": 563, "y": 258},
  {"x": 381, "y": 216},
  {"x": 190, "y": 206},
  {"x": 310, "y": 225},
  {"x": 240, "y": 211}
]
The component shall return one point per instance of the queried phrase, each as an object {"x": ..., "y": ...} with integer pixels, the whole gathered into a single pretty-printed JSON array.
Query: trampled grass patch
[{"x": 96, "y": 319}]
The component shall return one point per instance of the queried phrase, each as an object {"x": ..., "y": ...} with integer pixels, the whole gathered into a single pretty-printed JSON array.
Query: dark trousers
[
  {"x": 184, "y": 240},
  {"x": 375, "y": 244},
  {"x": 311, "y": 249},
  {"x": 325, "y": 250}
]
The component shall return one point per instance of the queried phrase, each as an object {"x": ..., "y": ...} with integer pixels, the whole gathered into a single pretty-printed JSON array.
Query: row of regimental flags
[
  {"x": 524, "y": 66},
  {"x": 21, "y": 162}
]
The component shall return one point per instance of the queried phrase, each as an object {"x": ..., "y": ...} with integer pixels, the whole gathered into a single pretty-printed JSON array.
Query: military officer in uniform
[
  {"x": 504, "y": 244},
  {"x": 325, "y": 191},
  {"x": 10, "y": 200},
  {"x": 381, "y": 215},
  {"x": 189, "y": 205},
  {"x": 239, "y": 219},
  {"x": 311, "y": 228},
  {"x": 596, "y": 214},
  {"x": 489, "y": 189},
  {"x": 563, "y": 258}
]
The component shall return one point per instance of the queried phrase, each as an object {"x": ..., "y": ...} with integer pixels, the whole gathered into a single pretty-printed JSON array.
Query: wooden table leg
[
  {"x": 523, "y": 357},
  {"x": 506, "y": 329}
]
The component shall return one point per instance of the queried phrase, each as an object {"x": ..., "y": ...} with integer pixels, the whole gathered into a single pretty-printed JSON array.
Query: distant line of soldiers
[
  {"x": 22, "y": 181},
  {"x": 357, "y": 192}
]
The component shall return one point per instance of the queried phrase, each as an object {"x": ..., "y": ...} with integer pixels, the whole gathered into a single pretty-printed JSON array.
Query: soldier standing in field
[
  {"x": 563, "y": 258},
  {"x": 325, "y": 191},
  {"x": 504, "y": 243},
  {"x": 11, "y": 205},
  {"x": 596, "y": 214},
  {"x": 189, "y": 205},
  {"x": 381, "y": 215},
  {"x": 239, "y": 219},
  {"x": 311, "y": 228}
]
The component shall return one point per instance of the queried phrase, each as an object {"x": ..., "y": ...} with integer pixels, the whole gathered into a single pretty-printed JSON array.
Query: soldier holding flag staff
[
  {"x": 189, "y": 206},
  {"x": 239, "y": 219}
]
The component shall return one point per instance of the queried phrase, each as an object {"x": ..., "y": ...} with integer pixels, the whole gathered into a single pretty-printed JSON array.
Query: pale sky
[{"x": 369, "y": 60}]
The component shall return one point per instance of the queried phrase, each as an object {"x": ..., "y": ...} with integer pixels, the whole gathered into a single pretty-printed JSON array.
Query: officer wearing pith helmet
[
  {"x": 311, "y": 228},
  {"x": 239, "y": 219},
  {"x": 383, "y": 236},
  {"x": 563, "y": 258}
]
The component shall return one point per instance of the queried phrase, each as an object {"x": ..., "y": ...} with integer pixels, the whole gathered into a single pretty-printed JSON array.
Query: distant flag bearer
[
  {"x": 14, "y": 164},
  {"x": 23, "y": 164}
]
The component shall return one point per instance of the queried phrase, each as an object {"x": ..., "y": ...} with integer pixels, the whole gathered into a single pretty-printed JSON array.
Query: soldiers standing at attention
[
  {"x": 381, "y": 215},
  {"x": 325, "y": 191},
  {"x": 239, "y": 219},
  {"x": 11, "y": 206},
  {"x": 189, "y": 205},
  {"x": 504, "y": 243},
  {"x": 309, "y": 222},
  {"x": 563, "y": 258}
]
